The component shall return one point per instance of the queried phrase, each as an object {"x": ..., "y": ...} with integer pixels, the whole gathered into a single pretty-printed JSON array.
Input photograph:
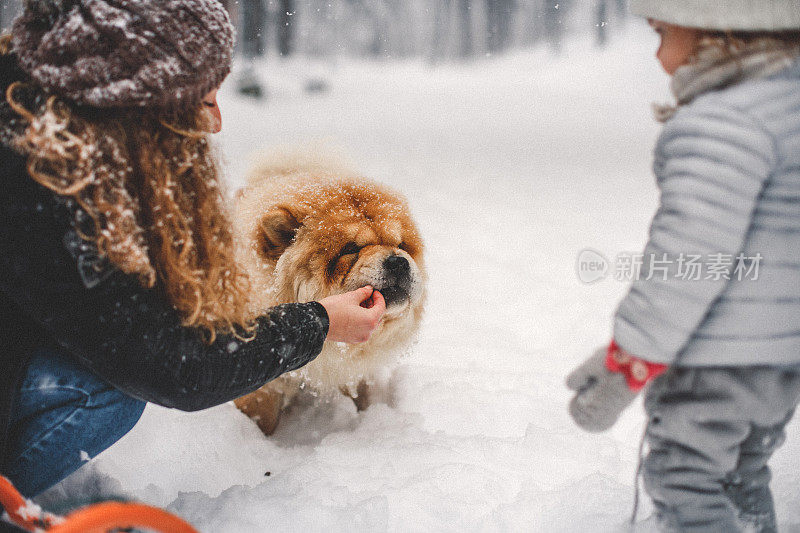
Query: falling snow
[{"x": 512, "y": 166}]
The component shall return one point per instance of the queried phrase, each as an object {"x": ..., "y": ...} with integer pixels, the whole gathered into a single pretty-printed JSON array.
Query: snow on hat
[
  {"x": 123, "y": 53},
  {"x": 736, "y": 15}
]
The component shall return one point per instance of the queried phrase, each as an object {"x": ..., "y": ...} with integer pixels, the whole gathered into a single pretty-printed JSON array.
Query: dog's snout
[{"x": 397, "y": 265}]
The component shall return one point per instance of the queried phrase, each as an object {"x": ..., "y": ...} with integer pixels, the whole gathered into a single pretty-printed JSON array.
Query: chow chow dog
[{"x": 310, "y": 228}]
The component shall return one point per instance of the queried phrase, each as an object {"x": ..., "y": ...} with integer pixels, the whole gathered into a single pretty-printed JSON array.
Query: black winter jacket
[{"x": 52, "y": 294}]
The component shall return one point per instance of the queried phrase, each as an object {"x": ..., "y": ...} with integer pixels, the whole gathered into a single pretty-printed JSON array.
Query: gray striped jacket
[{"x": 728, "y": 167}]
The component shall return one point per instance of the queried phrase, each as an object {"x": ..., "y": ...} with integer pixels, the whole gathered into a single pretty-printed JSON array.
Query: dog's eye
[{"x": 349, "y": 249}]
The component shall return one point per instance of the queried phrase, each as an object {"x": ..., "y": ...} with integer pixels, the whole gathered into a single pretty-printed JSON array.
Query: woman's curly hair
[{"x": 150, "y": 182}]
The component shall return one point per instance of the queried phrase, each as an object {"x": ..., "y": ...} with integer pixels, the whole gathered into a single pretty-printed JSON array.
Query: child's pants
[{"x": 711, "y": 432}]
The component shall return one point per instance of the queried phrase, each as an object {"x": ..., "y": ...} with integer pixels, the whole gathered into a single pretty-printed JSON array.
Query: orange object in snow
[
  {"x": 24, "y": 513},
  {"x": 110, "y": 516},
  {"x": 99, "y": 518}
]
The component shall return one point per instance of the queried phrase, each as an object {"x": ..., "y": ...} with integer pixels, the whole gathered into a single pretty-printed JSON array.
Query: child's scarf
[{"x": 715, "y": 69}]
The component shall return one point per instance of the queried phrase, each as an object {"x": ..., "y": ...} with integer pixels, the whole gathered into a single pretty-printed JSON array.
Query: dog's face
[{"x": 337, "y": 237}]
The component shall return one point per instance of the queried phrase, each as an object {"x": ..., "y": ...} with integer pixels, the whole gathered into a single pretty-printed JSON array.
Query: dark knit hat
[{"x": 125, "y": 53}]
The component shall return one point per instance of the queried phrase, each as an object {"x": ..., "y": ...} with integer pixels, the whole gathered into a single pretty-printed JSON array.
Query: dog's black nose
[{"x": 397, "y": 265}]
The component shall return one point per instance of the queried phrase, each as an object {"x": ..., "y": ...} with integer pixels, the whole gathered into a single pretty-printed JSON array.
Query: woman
[{"x": 117, "y": 280}]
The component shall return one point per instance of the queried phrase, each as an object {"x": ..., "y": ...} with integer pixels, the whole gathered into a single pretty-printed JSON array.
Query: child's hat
[
  {"x": 121, "y": 53},
  {"x": 735, "y": 15}
]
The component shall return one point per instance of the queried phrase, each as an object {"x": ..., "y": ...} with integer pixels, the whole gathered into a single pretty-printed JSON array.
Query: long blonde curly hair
[{"x": 151, "y": 184}]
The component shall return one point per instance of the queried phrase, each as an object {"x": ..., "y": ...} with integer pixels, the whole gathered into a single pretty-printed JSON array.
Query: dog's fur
[{"x": 310, "y": 228}]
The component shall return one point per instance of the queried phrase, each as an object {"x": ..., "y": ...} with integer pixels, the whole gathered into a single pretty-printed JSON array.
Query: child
[{"x": 722, "y": 348}]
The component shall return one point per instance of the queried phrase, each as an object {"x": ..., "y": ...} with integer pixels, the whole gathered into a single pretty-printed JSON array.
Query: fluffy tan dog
[{"x": 309, "y": 229}]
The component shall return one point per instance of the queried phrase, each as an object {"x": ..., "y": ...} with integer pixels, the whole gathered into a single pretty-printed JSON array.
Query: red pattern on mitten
[{"x": 637, "y": 372}]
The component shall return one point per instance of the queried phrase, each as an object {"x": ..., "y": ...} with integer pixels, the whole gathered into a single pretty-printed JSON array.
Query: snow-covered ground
[{"x": 512, "y": 165}]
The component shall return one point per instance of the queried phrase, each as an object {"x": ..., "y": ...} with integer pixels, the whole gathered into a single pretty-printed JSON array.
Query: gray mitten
[{"x": 601, "y": 395}]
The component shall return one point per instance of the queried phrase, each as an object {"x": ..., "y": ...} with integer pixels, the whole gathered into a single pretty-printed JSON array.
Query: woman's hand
[{"x": 354, "y": 315}]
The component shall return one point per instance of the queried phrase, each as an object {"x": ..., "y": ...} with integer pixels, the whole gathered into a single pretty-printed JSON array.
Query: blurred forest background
[{"x": 437, "y": 30}]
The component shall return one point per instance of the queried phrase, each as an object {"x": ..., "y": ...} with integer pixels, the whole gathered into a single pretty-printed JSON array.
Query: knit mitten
[{"x": 605, "y": 385}]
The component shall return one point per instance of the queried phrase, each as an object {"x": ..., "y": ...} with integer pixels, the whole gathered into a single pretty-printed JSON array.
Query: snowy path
[{"x": 512, "y": 166}]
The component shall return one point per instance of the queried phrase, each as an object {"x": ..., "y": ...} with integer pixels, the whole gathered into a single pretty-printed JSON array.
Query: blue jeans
[{"x": 63, "y": 414}]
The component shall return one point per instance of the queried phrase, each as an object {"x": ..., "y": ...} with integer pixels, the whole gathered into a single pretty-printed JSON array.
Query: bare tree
[
  {"x": 553, "y": 15},
  {"x": 499, "y": 17},
  {"x": 442, "y": 28},
  {"x": 601, "y": 22},
  {"x": 529, "y": 16},
  {"x": 622, "y": 8},
  {"x": 466, "y": 45},
  {"x": 253, "y": 28},
  {"x": 286, "y": 23}
]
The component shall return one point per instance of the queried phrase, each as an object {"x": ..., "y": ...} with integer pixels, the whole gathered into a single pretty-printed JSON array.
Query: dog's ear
[{"x": 277, "y": 231}]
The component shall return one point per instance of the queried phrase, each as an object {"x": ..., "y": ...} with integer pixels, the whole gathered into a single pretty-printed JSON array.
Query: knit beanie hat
[
  {"x": 125, "y": 53},
  {"x": 735, "y": 15}
]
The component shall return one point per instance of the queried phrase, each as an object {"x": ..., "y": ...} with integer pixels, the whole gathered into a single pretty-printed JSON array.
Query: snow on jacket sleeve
[
  {"x": 130, "y": 336},
  {"x": 712, "y": 163}
]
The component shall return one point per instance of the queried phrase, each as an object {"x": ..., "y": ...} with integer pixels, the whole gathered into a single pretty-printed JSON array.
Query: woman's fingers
[
  {"x": 353, "y": 316},
  {"x": 363, "y": 296},
  {"x": 378, "y": 304}
]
